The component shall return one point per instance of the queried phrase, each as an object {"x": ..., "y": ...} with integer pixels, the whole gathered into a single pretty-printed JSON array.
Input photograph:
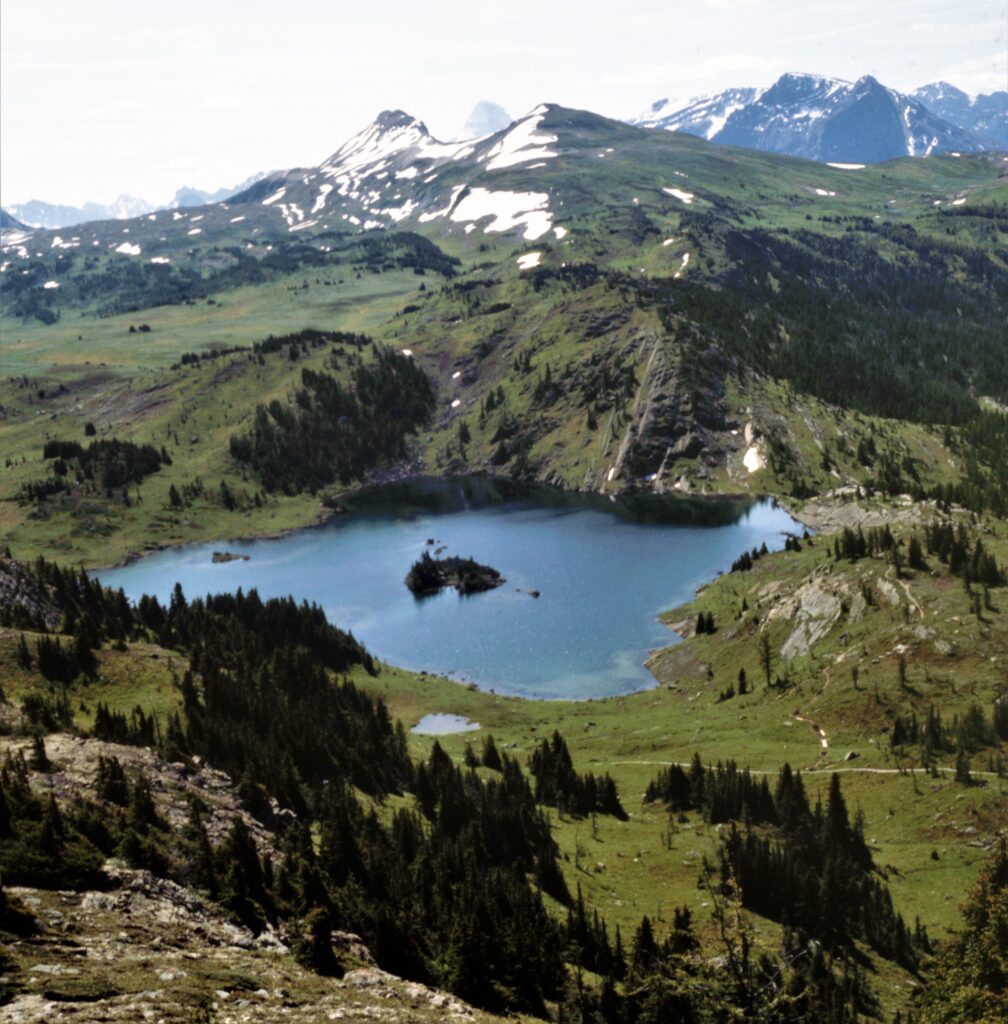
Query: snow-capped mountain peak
[
  {"x": 391, "y": 132},
  {"x": 985, "y": 115},
  {"x": 394, "y": 169},
  {"x": 703, "y": 115},
  {"x": 818, "y": 118}
]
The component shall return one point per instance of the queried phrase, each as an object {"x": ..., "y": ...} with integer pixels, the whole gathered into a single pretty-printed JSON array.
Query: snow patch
[
  {"x": 456, "y": 403},
  {"x": 529, "y": 260},
  {"x": 753, "y": 460},
  {"x": 51, "y": 284},
  {"x": 407, "y": 352},
  {"x": 520, "y": 145},
  {"x": 678, "y": 193},
  {"x": 279, "y": 194},
  {"x": 320, "y": 199},
  {"x": 195, "y": 231},
  {"x": 847, "y": 167},
  {"x": 560, "y": 232},
  {"x": 434, "y": 214},
  {"x": 508, "y": 210},
  {"x": 397, "y": 213},
  {"x": 128, "y": 249},
  {"x": 160, "y": 259},
  {"x": 236, "y": 220},
  {"x": 824, "y": 192}
]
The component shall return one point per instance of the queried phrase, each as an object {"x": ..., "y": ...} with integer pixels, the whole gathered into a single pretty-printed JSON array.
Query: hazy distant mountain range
[
  {"x": 9, "y": 223},
  {"x": 828, "y": 119},
  {"x": 39, "y": 214},
  {"x": 985, "y": 115}
]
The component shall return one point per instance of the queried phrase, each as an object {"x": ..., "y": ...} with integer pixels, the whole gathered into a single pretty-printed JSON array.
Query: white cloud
[
  {"x": 930, "y": 28},
  {"x": 224, "y": 102},
  {"x": 978, "y": 74},
  {"x": 744, "y": 67},
  {"x": 118, "y": 109}
]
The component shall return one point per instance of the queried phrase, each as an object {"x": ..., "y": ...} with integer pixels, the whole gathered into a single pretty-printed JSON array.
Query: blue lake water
[{"x": 604, "y": 570}]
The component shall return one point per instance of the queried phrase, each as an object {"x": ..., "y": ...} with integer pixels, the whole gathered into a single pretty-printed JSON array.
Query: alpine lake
[{"x": 603, "y": 569}]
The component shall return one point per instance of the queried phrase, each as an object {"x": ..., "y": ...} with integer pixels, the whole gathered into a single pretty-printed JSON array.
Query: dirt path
[
  {"x": 817, "y": 771},
  {"x": 819, "y": 731},
  {"x": 890, "y": 574}
]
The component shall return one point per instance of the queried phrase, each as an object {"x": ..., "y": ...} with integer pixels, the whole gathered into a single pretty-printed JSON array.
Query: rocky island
[
  {"x": 429, "y": 575},
  {"x": 220, "y": 557}
]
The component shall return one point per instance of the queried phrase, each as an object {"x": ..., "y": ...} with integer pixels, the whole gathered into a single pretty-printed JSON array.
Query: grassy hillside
[
  {"x": 838, "y": 631},
  {"x": 696, "y": 320}
]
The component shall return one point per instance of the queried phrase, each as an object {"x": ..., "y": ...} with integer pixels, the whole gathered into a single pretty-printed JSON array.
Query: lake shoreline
[
  {"x": 574, "y": 549},
  {"x": 326, "y": 516}
]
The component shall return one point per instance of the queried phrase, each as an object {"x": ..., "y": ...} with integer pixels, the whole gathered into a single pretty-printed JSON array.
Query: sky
[{"x": 106, "y": 97}]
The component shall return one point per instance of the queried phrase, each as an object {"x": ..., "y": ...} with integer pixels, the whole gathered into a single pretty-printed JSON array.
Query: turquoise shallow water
[{"x": 604, "y": 571}]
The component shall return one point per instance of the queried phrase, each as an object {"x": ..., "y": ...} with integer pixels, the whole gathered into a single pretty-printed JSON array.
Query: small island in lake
[
  {"x": 227, "y": 556},
  {"x": 428, "y": 575}
]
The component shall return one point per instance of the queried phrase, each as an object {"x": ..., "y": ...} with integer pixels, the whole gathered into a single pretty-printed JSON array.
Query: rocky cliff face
[
  {"x": 677, "y": 419},
  {"x": 23, "y": 603}
]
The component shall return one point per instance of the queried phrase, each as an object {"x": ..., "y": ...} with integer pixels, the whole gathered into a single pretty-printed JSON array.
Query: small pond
[{"x": 443, "y": 724}]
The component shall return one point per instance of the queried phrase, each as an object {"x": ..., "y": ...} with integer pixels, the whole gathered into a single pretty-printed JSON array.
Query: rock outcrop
[{"x": 24, "y": 603}]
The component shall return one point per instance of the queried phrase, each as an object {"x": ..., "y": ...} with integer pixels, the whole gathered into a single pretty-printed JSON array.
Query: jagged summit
[
  {"x": 819, "y": 118},
  {"x": 986, "y": 115},
  {"x": 394, "y": 169},
  {"x": 391, "y": 132}
]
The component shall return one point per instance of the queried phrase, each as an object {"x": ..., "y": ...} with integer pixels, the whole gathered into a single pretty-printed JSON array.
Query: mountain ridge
[
  {"x": 985, "y": 114},
  {"x": 819, "y": 118}
]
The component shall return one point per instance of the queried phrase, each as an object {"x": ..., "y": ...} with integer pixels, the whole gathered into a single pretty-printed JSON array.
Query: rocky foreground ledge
[
  {"x": 143, "y": 948},
  {"x": 148, "y": 949}
]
